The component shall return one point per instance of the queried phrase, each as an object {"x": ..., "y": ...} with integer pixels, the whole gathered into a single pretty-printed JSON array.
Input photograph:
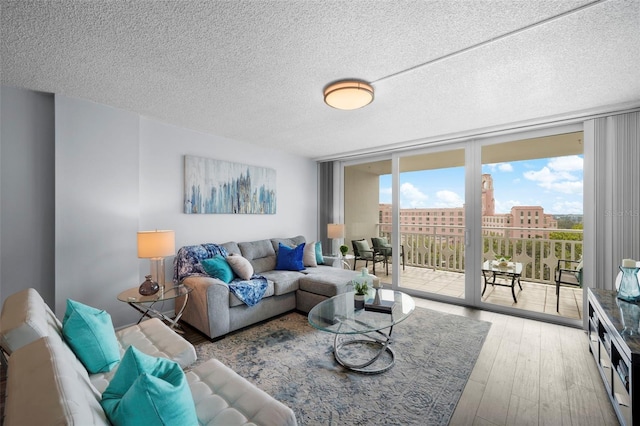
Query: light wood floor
[{"x": 530, "y": 373}]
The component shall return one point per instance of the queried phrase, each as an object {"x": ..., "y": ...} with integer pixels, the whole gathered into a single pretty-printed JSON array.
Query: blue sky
[{"x": 553, "y": 183}]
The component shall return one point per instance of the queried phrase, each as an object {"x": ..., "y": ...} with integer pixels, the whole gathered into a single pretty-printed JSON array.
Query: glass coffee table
[{"x": 366, "y": 329}]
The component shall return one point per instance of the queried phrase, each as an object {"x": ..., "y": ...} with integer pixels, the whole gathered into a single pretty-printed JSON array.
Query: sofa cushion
[
  {"x": 90, "y": 334},
  {"x": 222, "y": 397},
  {"x": 25, "y": 318},
  {"x": 46, "y": 385},
  {"x": 283, "y": 281},
  {"x": 327, "y": 281},
  {"x": 290, "y": 259},
  {"x": 218, "y": 267},
  {"x": 241, "y": 266},
  {"x": 289, "y": 242},
  {"x": 363, "y": 247},
  {"x": 260, "y": 254},
  {"x": 148, "y": 390},
  {"x": 231, "y": 247}
]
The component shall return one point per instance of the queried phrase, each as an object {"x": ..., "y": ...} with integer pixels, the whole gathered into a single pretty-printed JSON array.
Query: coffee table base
[{"x": 382, "y": 346}]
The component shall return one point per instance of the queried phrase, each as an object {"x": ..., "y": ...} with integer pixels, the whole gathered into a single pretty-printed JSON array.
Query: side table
[
  {"x": 339, "y": 261},
  {"x": 145, "y": 304}
]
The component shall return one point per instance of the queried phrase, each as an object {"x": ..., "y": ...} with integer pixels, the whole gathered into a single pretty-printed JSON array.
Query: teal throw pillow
[
  {"x": 147, "y": 390},
  {"x": 90, "y": 335},
  {"x": 219, "y": 268},
  {"x": 290, "y": 259},
  {"x": 319, "y": 257}
]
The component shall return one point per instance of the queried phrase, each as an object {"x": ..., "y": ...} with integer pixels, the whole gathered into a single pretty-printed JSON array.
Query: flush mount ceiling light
[{"x": 348, "y": 94}]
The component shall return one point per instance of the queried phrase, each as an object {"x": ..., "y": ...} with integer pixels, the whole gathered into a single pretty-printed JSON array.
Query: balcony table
[{"x": 492, "y": 269}]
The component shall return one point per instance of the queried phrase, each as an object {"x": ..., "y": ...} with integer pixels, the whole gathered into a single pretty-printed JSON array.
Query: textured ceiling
[{"x": 254, "y": 71}]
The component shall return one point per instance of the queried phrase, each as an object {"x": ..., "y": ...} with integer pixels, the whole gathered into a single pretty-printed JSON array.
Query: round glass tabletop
[{"x": 338, "y": 314}]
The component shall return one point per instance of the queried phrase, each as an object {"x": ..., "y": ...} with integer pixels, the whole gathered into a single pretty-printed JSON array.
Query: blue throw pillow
[
  {"x": 146, "y": 390},
  {"x": 290, "y": 259},
  {"x": 319, "y": 257},
  {"x": 219, "y": 268},
  {"x": 90, "y": 335}
]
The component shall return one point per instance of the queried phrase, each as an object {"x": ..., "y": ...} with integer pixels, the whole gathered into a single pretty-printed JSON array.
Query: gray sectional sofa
[{"x": 214, "y": 310}]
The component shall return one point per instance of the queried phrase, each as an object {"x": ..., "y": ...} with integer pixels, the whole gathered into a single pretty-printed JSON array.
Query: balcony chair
[
  {"x": 362, "y": 251},
  {"x": 568, "y": 273},
  {"x": 383, "y": 247}
]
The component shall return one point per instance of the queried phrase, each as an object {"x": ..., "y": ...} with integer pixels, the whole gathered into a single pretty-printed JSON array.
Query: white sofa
[{"x": 47, "y": 384}]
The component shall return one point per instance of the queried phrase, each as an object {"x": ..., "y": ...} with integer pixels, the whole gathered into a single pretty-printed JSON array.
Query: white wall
[
  {"x": 26, "y": 192},
  {"x": 361, "y": 191},
  {"x": 114, "y": 173},
  {"x": 162, "y": 151},
  {"x": 97, "y": 205}
]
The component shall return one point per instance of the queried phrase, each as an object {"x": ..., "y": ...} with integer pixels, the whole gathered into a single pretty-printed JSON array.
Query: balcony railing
[{"x": 539, "y": 254}]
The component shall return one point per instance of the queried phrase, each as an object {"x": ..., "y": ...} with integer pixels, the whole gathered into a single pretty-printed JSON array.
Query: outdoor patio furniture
[
  {"x": 568, "y": 273},
  {"x": 362, "y": 251},
  {"x": 381, "y": 245}
]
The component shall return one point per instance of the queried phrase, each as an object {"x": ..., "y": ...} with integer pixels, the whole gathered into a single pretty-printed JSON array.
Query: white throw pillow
[
  {"x": 241, "y": 266},
  {"x": 309, "y": 255}
]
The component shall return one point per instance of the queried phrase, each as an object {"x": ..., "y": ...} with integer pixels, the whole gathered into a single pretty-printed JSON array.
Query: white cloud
[
  {"x": 505, "y": 167},
  {"x": 561, "y": 174},
  {"x": 567, "y": 207},
  {"x": 501, "y": 167},
  {"x": 570, "y": 163},
  {"x": 505, "y": 206},
  {"x": 412, "y": 197},
  {"x": 385, "y": 195},
  {"x": 448, "y": 199}
]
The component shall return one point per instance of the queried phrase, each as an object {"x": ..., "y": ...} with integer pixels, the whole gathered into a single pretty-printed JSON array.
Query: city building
[{"x": 521, "y": 222}]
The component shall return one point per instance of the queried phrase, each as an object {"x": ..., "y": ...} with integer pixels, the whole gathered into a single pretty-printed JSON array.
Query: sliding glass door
[
  {"x": 532, "y": 191},
  {"x": 431, "y": 222},
  {"x": 481, "y": 222}
]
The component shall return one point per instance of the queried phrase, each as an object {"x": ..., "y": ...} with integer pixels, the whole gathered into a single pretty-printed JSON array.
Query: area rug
[{"x": 294, "y": 363}]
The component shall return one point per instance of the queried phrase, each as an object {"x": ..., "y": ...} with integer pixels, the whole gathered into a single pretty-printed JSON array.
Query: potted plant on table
[
  {"x": 344, "y": 249},
  {"x": 503, "y": 261},
  {"x": 361, "y": 288}
]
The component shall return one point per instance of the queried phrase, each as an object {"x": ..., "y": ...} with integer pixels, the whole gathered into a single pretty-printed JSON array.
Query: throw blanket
[
  {"x": 187, "y": 263},
  {"x": 251, "y": 291}
]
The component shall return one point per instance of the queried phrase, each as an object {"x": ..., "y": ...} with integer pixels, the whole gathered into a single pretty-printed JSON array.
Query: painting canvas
[{"x": 215, "y": 186}]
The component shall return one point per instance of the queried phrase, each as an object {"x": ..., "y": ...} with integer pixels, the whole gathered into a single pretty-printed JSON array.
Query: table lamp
[
  {"x": 335, "y": 231},
  {"x": 156, "y": 245}
]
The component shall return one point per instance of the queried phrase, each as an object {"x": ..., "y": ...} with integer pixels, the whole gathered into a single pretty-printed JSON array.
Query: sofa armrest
[
  {"x": 208, "y": 306},
  {"x": 47, "y": 385}
]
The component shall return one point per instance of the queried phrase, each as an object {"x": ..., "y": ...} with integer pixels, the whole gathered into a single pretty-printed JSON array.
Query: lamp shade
[
  {"x": 335, "y": 230},
  {"x": 152, "y": 244},
  {"x": 348, "y": 94}
]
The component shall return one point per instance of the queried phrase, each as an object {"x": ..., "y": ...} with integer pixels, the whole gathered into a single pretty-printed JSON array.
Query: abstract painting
[{"x": 215, "y": 186}]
